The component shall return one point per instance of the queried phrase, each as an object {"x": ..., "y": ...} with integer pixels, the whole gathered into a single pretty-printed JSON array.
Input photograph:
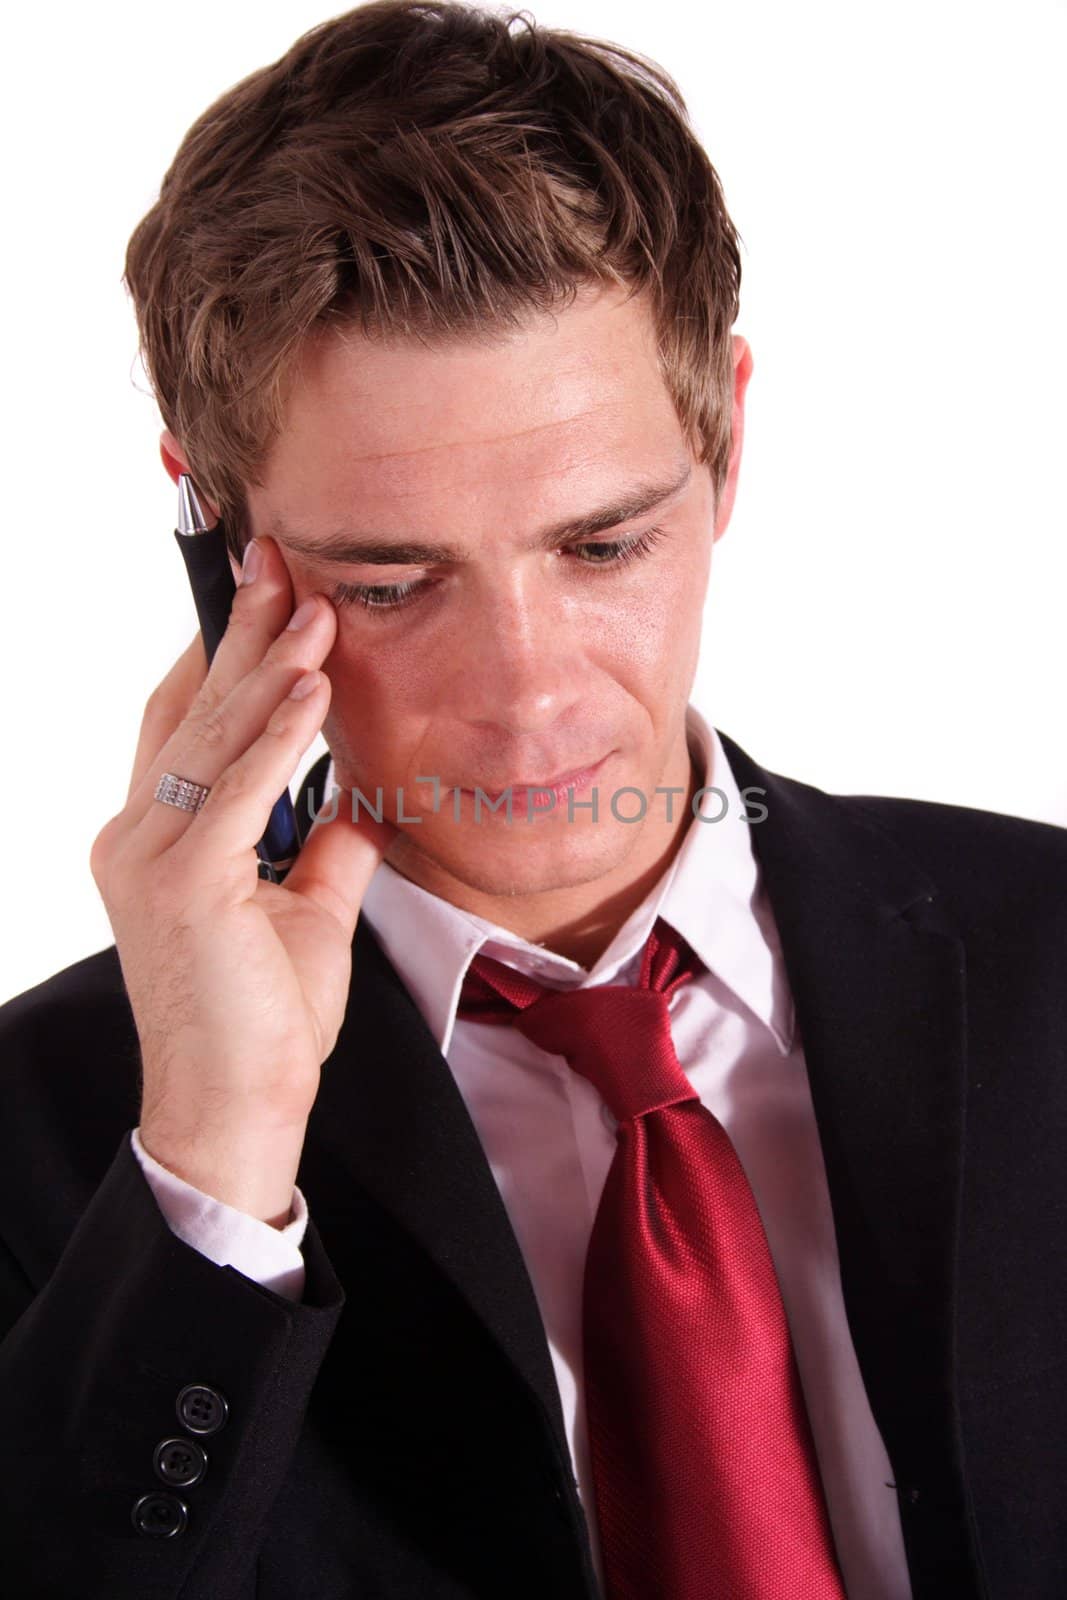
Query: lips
[{"x": 575, "y": 778}]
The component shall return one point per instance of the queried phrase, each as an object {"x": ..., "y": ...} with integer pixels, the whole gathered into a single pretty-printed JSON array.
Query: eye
[
  {"x": 616, "y": 552},
  {"x": 610, "y": 553},
  {"x": 374, "y": 596}
]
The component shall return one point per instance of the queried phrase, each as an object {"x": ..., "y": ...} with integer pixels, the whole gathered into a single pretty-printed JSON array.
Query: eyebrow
[{"x": 356, "y": 549}]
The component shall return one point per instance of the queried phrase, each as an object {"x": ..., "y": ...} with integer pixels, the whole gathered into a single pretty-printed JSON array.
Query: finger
[
  {"x": 208, "y": 742},
  {"x": 337, "y": 861},
  {"x": 259, "y": 611},
  {"x": 167, "y": 707},
  {"x": 235, "y": 815}
]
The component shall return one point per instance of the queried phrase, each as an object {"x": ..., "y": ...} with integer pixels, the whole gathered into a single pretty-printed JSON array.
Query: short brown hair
[{"x": 417, "y": 169}]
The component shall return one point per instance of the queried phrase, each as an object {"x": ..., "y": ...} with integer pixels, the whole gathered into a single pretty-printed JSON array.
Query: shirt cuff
[{"x": 269, "y": 1256}]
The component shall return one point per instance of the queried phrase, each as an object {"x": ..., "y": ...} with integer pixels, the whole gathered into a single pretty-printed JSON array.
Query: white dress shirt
[{"x": 549, "y": 1138}]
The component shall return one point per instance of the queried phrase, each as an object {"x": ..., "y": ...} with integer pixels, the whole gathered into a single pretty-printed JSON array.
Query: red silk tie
[{"x": 707, "y": 1484}]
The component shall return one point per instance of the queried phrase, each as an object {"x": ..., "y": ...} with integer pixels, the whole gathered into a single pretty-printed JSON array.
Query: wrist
[{"x": 252, "y": 1170}]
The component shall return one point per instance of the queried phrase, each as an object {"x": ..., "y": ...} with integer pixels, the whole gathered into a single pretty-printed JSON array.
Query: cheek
[
  {"x": 381, "y": 699},
  {"x": 647, "y": 635}
]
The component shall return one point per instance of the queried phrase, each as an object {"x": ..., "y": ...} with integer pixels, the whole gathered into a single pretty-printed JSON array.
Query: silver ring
[{"x": 181, "y": 792}]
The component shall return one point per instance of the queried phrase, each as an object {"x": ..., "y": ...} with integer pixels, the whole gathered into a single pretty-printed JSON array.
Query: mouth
[{"x": 560, "y": 786}]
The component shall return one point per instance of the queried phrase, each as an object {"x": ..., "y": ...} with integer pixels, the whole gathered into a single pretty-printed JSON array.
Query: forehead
[{"x": 540, "y": 419}]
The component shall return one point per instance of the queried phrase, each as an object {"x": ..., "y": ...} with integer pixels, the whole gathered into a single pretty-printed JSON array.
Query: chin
[{"x": 523, "y": 859}]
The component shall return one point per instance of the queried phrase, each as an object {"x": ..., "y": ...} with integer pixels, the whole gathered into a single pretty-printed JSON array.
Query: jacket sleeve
[
  {"x": 229, "y": 1237},
  {"x": 150, "y": 1402}
]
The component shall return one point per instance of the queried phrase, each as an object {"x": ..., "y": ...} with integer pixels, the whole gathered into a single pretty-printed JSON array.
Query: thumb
[{"x": 337, "y": 861}]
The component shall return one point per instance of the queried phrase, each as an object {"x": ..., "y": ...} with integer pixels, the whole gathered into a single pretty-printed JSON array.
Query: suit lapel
[
  {"x": 877, "y": 975},
  {"x": 878, "y": 981}
]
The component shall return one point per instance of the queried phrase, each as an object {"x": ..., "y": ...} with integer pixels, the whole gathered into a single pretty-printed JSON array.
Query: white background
[{"x": 886, "y": 610}]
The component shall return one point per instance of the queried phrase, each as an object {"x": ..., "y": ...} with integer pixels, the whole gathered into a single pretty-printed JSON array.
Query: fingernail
[
  {"x": 305, "y": 685},
  {"x": 303, "y": 613},
  {"x": 252, "y": 562}
]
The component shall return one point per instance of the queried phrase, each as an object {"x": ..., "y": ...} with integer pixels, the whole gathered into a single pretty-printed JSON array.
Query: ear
[
  {"x": 176, "y": 462},
  {"x": 742, "y": 373}
]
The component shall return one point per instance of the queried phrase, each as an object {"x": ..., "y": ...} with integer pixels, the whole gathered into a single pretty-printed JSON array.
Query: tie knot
[{"x": 617, "y": 1036}]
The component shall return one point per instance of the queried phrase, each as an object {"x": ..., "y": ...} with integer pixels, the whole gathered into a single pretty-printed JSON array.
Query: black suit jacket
[{"x": 398, "y": 1433}]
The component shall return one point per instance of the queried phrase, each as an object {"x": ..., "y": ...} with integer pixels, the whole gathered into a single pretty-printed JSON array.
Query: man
[{"x": 619, "y": 1169}]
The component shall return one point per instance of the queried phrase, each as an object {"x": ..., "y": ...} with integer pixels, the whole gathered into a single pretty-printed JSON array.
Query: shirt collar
[{"x": 711, "y": 894}]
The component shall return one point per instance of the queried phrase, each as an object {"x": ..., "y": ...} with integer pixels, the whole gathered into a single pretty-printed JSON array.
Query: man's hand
[{"x": 238, "y": 986}]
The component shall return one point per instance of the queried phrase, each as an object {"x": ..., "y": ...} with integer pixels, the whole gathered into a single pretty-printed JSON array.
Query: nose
[{"x": 518, "y": 657}]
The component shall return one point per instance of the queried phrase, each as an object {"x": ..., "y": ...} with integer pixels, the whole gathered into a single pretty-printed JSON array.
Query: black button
[
  {"x": 160, "y": 1516},
  {"x": 200, "y": 1409},
  {"x": 180, "y": 1461}
]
